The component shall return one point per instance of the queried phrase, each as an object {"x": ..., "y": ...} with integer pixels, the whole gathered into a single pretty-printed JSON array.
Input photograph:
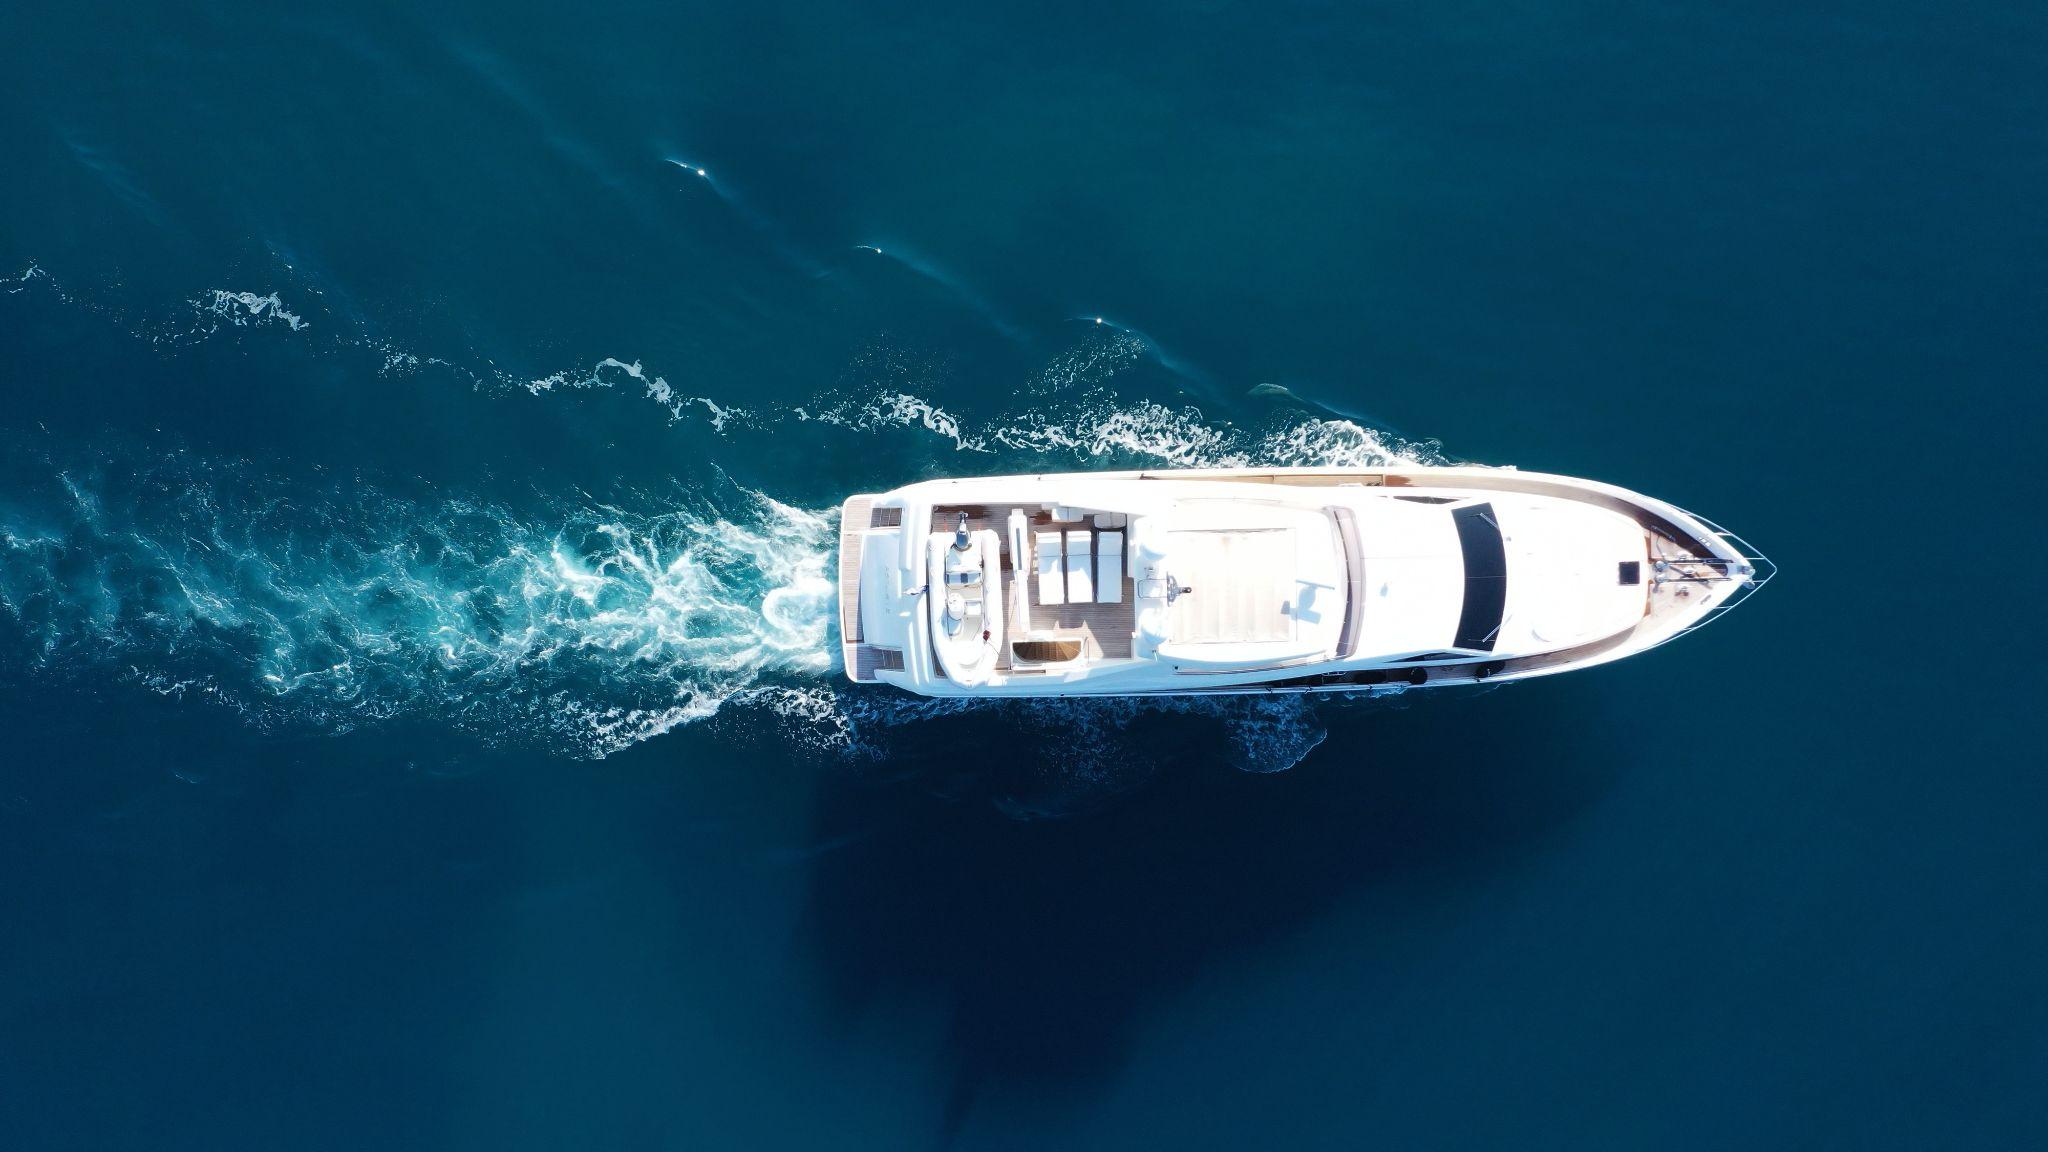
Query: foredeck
[{"x": 1105, "y": 630}]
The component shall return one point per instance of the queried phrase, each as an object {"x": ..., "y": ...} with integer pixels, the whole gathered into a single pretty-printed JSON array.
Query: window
[{"x": 1486, "y": 576}]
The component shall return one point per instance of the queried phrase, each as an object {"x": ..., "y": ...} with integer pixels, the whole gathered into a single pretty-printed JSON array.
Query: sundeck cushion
[
  {"x": 1244, "y": 581},
  {"x": 1052, "y": 580},
  {"x": 1080, "y": 568},
  {"x": 1109, "y": 568}
]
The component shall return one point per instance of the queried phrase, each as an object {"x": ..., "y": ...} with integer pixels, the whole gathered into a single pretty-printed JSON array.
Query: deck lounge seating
[
  {"x": 1052, "y": 580},
  {"x": 1109, "y": 568},
  {"x": 1080, "y": 567}
]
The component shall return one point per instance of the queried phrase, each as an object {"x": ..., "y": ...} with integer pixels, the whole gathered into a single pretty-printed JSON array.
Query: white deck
[{"x": 1302, "y": 579}]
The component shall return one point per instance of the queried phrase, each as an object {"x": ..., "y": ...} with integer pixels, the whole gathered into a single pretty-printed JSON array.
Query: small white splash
[
  {"x": 243, "y": 309},
  {"x": 596, "y": 377},
  {"x": 1339, "y": 444},
  {"x": 1144, "y": 431},
  {"x": 611, "y": 371},
  {"x": 1092, "y": 363},
  {"x": 719, "y": 413},
  {"x": 898, "y": 410}
]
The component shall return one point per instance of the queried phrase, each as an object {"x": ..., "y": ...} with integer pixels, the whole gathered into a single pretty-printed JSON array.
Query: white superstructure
[{"x": 1281, "y": 579}]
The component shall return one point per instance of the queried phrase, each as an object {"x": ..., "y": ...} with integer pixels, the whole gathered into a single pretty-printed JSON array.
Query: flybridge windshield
[{"x": 1486, "y": 577}]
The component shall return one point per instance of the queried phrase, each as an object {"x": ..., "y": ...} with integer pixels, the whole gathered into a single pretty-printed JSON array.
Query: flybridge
[{"x": 1264, "y": 580}]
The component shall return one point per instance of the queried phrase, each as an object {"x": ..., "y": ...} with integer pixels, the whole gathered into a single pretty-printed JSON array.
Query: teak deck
[
  {"x": 853, "y": 520},
  {"x": 1105, "y": 630}
]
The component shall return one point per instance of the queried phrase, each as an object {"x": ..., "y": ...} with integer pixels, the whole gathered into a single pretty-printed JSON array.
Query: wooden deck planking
[
  {"x": 869, "y": 660},
  {"x": 1105, "y": 629},
  {"x": 853, "y": 522}
]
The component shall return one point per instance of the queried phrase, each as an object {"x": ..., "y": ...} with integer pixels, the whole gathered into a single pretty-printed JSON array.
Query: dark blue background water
[{"x": 415, "y": 499}]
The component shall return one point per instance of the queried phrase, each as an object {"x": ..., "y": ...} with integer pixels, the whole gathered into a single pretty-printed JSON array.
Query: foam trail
[
  {"x": 1092, "y": 363},
  {"x": 220, "y": 308},
  {"x": 606, "y": 373},
  {"x": 1172, "y": 364},
  {"x": 893, "y": 410},
  {"x": 581, "y": 629},
  {"x": 244, "y": 309}
]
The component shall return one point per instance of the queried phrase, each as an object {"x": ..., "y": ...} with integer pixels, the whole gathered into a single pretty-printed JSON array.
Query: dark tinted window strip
[
  {"x": 1486, "y": 569},
  {"x": 1486, "y": 599}
]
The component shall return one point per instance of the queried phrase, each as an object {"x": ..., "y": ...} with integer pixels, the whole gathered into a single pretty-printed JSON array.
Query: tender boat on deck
[{"x": 1270, "y": 579}]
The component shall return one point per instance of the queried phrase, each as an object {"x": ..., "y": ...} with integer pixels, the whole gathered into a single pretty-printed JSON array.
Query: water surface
[{"x": 421, "y": 441}]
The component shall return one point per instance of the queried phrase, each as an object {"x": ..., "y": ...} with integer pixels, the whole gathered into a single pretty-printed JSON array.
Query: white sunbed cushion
[
  {"x": 1080, "y": 568},
  {"x": 1109, "y": 568},
  {"x": 1244, "y": 582},
  {"x": 1052, "y": 582}
]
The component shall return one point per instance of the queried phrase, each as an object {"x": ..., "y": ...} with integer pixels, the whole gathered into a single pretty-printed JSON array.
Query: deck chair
[
  {"x": 1109, "y": 568},
  {"x": 1080, "y": 567},
  {"x": 1052, "y": 580}
]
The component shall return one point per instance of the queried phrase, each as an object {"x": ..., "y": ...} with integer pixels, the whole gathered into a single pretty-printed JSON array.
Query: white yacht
[{"x": 1267, "y": 579}]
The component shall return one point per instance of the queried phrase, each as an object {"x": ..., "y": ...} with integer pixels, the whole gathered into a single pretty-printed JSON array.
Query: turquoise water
[{"x": 418, "y": 468}]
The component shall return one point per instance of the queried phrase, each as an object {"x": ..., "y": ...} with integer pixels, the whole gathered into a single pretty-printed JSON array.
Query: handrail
[{"x": 1762, "y": 570}]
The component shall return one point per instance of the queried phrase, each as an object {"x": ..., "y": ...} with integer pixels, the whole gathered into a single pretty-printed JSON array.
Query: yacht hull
[{"x": 1263, "y": 580}]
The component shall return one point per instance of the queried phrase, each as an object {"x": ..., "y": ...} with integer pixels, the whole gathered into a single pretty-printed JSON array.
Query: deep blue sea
[{"x": 421, "y": 436}]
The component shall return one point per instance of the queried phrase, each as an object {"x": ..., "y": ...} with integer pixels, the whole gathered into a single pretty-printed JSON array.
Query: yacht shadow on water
[{"x": 1048, "y": 940}]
